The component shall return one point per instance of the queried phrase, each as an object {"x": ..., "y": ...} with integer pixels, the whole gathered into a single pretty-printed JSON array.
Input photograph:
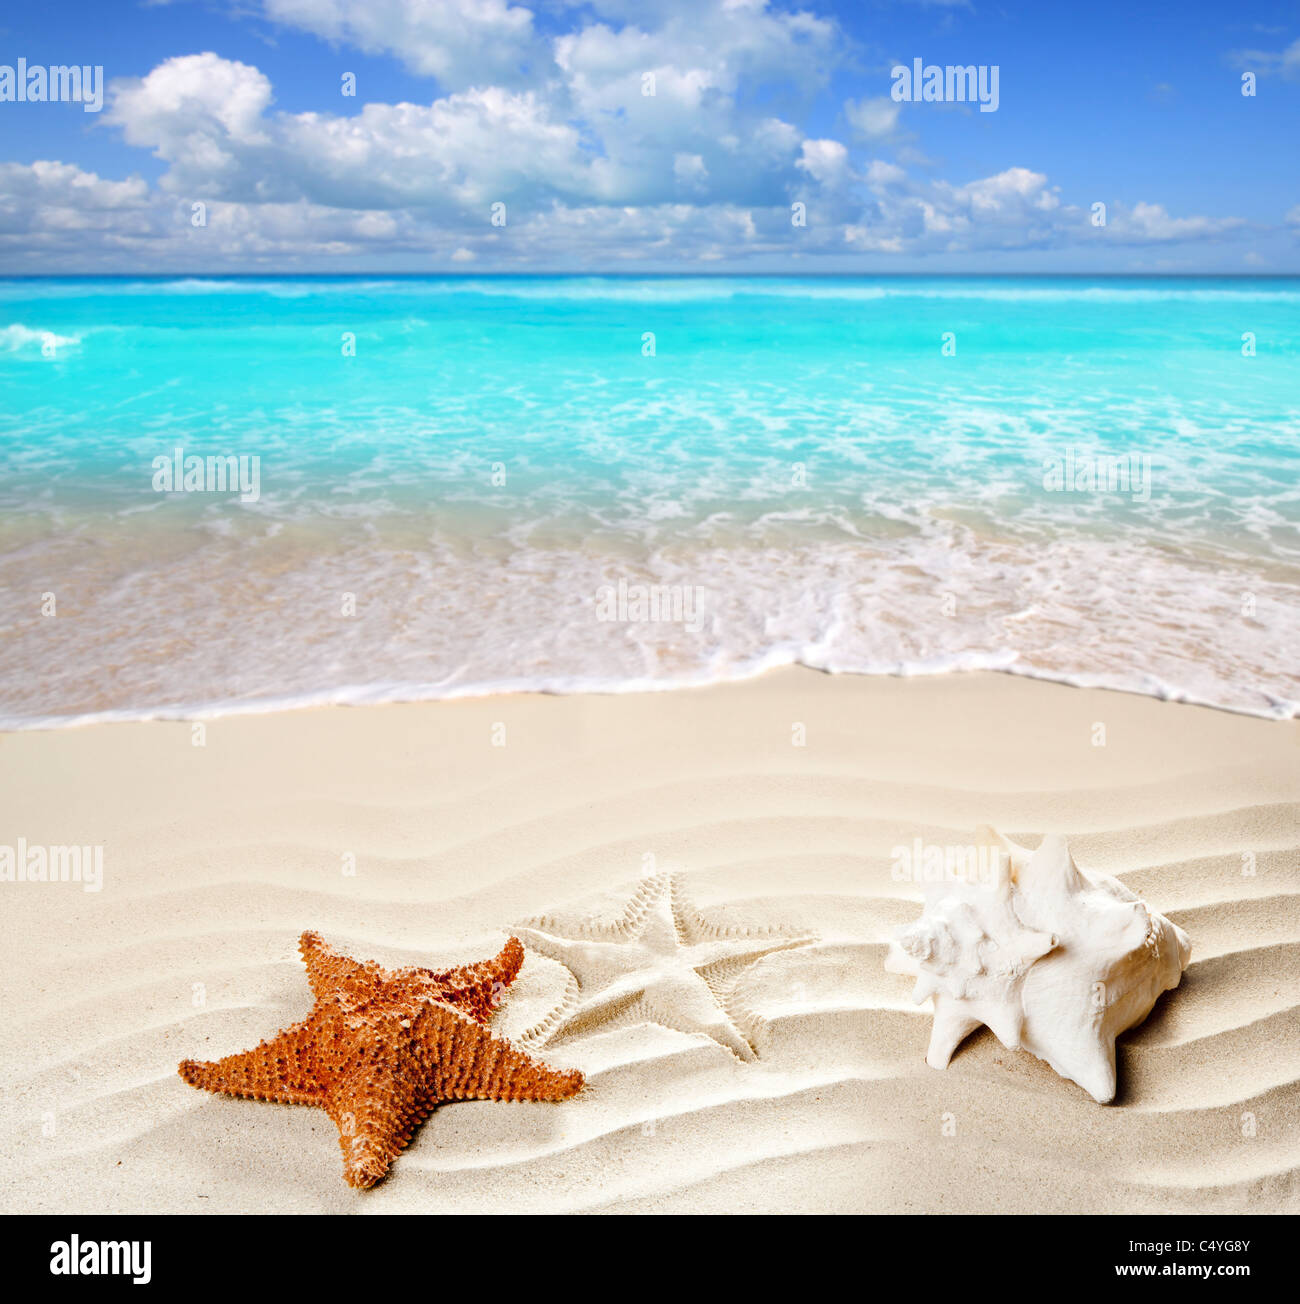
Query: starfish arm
[
  {"x": 740, "y": 950},
  {"x": 689, "y": 1004},
  {"x": 284, "y": 1069},
  {"x": 475, "y": 989},
  {"x": 593, "y": 961},
  {"x": 328, "y": 969},
  {"x": 467, "y": 1062},
  {"x": 951, "y": 1026},
  {"x": 658, "y": 927},
  {"x": 376, "y": 1108}
]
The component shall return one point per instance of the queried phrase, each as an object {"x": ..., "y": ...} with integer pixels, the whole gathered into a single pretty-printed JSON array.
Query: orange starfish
[{"x": 381, "y": 1050}]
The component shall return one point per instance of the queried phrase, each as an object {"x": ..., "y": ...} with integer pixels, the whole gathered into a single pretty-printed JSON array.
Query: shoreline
[{"x": 361, "y": 696}]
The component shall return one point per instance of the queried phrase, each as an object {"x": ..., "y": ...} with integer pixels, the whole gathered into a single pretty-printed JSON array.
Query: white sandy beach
[{"x": 217, "y": 857}]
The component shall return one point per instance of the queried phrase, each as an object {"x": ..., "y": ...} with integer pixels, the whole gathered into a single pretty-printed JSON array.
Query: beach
[
  {"x": 663, "y": 609},
  {"x": 766, "y": 815},
  {"x": 208, "y": 504}
]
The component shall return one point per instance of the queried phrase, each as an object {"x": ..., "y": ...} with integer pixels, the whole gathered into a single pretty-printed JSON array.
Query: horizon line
[{"x": 624, "y": 274}]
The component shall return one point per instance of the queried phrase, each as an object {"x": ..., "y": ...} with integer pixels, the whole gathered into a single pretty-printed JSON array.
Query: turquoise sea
[{"x": 1089, "y": 480}]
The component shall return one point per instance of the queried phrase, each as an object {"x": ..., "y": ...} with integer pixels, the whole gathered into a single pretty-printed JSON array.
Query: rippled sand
[{"x": 217, "y": 857}]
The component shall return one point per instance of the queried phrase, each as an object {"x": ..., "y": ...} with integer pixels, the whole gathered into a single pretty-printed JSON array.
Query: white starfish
[
  {"x": 656, "y": 961},
  {"x": 1052, "y": 960}
]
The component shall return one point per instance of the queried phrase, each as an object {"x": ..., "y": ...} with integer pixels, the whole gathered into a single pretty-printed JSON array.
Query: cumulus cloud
[
  {"x": 50, "y": 209},
  {"x": 1017, "y": 208},
  {"x": 627, "y": 116},
  {"x": 194, "y": 89},
  {"x": 874, "y": 119},
  {"x": 206, "y": 117},
  {"x": 641, "y": 130},
  {"x": 1150, "y": 222},
  {"x": 826, "y": 161},
  {"x": 689, "y": 84},
  {"x": 462, "y": 43},
  {"x": 690, "y": 171}
]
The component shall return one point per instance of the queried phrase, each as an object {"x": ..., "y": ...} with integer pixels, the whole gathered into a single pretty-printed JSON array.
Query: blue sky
[{"x": 236, "y": 105}]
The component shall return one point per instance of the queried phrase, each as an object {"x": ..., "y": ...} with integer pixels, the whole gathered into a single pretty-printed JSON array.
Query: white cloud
[
  {"x": 1150, "y": 222},
  {"x": 204, "y": 116},
  {"x": 690, "y": 171},
  {"x": 826, "y": 161},
  {"x": 462, "y": 43},
  {"x": 650, "y": 92},
  {"x": 1014, "y": 209},
  {"x": 50, "y": 209},
  {"x": 189, "y": 93},
  {"x": 61, "y": 185},
  {"x": 1012, "y": 191},
  {"x": 560, "y": 128},
  {"x": 875, "y": 119},
  {"x": 1286, "y": 61},
  {"x": 881, "y": 174}
]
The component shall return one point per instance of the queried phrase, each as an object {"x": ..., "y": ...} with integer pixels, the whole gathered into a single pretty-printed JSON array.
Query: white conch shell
[{"x": 1053, "y": 960}]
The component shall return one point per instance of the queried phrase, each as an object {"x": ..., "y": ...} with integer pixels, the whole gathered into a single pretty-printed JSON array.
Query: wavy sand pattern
[{"x": 597, "y": 807}]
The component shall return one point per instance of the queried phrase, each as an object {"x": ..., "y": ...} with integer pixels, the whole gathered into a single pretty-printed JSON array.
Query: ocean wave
[
  {"x": 448, "y": 619},
  {"x": 822, "y": 470},
  {"x": 26, "y": 340}
]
